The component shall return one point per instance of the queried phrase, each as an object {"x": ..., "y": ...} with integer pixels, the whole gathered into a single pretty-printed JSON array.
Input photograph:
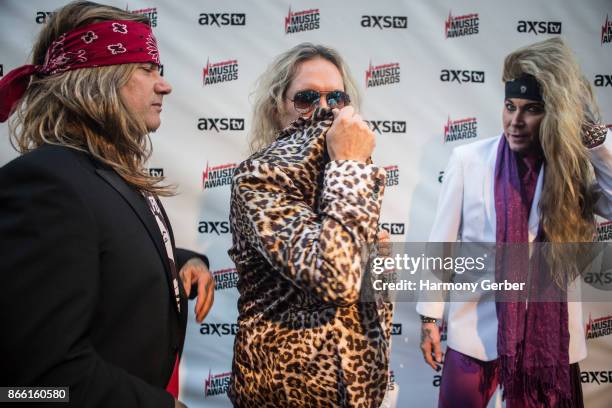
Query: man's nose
[
  {"x": 517, "y": 118},
  {"x": 162, "y": 86}
]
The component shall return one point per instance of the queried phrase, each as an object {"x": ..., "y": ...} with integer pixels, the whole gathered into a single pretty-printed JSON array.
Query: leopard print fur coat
[{"x": 299, "y": 222}]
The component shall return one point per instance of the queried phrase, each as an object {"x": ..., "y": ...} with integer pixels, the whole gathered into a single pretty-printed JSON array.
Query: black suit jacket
[{"x": 86, "y": 296}]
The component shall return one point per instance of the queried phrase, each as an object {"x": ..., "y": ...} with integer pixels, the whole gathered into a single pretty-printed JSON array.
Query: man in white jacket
[{"x": 533, "y": 183}]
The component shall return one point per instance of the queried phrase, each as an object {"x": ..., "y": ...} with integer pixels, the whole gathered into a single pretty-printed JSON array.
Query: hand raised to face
[{"x": 350, "y": 137}]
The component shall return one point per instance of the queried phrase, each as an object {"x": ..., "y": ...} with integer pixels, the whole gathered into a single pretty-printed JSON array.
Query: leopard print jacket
[{"x": 299, "y": 222}]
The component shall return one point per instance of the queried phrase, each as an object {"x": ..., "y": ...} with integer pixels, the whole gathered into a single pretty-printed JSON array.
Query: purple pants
[{"x": 469, "y": 383}]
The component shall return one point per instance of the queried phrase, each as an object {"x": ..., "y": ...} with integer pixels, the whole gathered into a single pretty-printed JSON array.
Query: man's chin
[
  {"x": 519, "y": 146},
  {"x": 523, "y": 149},
  {"x": 153, "y": 128}
]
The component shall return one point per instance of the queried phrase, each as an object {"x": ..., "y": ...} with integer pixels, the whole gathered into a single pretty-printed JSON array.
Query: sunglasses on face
[{"x": 306, "y": 100}]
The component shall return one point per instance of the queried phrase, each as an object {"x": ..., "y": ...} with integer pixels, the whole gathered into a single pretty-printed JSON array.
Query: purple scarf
[{"x": 533, "y": 338}]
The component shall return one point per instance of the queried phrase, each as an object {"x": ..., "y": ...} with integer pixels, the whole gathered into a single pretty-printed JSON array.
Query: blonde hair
[
  {"x": 568, "y": 197},
  {"x": 82, "y": 108},
  {"x": 272, "y": 85}
]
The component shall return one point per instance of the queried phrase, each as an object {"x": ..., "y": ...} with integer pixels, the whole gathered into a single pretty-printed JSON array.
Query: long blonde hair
[
  {"x": 274, "y": 82},
  {"x": 82, "y": 109},
  {"x": 568, "y": 197}
]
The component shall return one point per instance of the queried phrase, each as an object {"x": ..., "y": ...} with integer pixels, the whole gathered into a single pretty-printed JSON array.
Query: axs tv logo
[
  {"x": 220, "y": 124},
  {"x": 461, "y": 76},
  {"x": 43, "y": 16},
  {"x": 214, "y": 227},
  {"x": 384, "y": 22},
  {"x": 393, "y": 228},
  {"x": 539, "y": 27},
  {"x": 222, "y": 19}
]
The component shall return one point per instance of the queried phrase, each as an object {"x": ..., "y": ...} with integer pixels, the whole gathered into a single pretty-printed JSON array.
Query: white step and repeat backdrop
[{"x": 441, "y": 76}]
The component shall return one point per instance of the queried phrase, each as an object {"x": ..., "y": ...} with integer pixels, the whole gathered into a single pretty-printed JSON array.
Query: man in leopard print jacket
[{"x": 302, "y": 209}]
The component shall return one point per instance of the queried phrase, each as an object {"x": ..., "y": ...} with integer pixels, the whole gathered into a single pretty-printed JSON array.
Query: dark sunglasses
[{"x": 306, "y": 100}]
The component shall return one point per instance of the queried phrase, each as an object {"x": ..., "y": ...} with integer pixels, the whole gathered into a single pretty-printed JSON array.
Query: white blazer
[{"x": 466, "y": 212}]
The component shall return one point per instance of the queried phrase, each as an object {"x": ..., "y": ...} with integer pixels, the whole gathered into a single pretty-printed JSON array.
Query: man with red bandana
[{"x": 94, "y": 290}]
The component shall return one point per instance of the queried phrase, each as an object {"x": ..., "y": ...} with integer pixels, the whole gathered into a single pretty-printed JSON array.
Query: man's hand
[
  {"x": 430, "y": 344},
  {"x": 349, "y": 137},
  {"x": 195, "y": 272}
]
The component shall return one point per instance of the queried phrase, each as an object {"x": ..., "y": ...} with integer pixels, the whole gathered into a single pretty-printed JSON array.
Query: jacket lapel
[
  {"x": 489, "y": 186},
  {"x": 140, "y": 207}
]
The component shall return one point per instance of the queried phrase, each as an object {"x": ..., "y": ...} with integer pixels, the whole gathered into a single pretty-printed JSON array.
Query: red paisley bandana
[{"x": 95, "y": 45}]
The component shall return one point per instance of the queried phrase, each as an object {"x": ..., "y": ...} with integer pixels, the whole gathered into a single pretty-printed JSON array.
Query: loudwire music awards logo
[
  {"x": 385, "y": 74},
  {"x": 392, "y": 175},
  {"x": 606, "y": 31},
  {"x": 460, "y": 129},
  {"x": 306, "y": 20},
  {"x": 381, "y": 22},
  {"x": 462, "y": 76},
  {"x": 599, "y": 327},
  {"x": 604, "y": 231},
  {"x": 539, "y": 27},
  {"x": 460, "y": 26},
  {"x": 216, "y": 384},
  {"x": 225, "y": 278},
  {"x": 218, "y": 72},
  {"x": 150, "y": 13},
  {"x": 218, "y": 176},
  {"x": 601, "y": 277}
]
